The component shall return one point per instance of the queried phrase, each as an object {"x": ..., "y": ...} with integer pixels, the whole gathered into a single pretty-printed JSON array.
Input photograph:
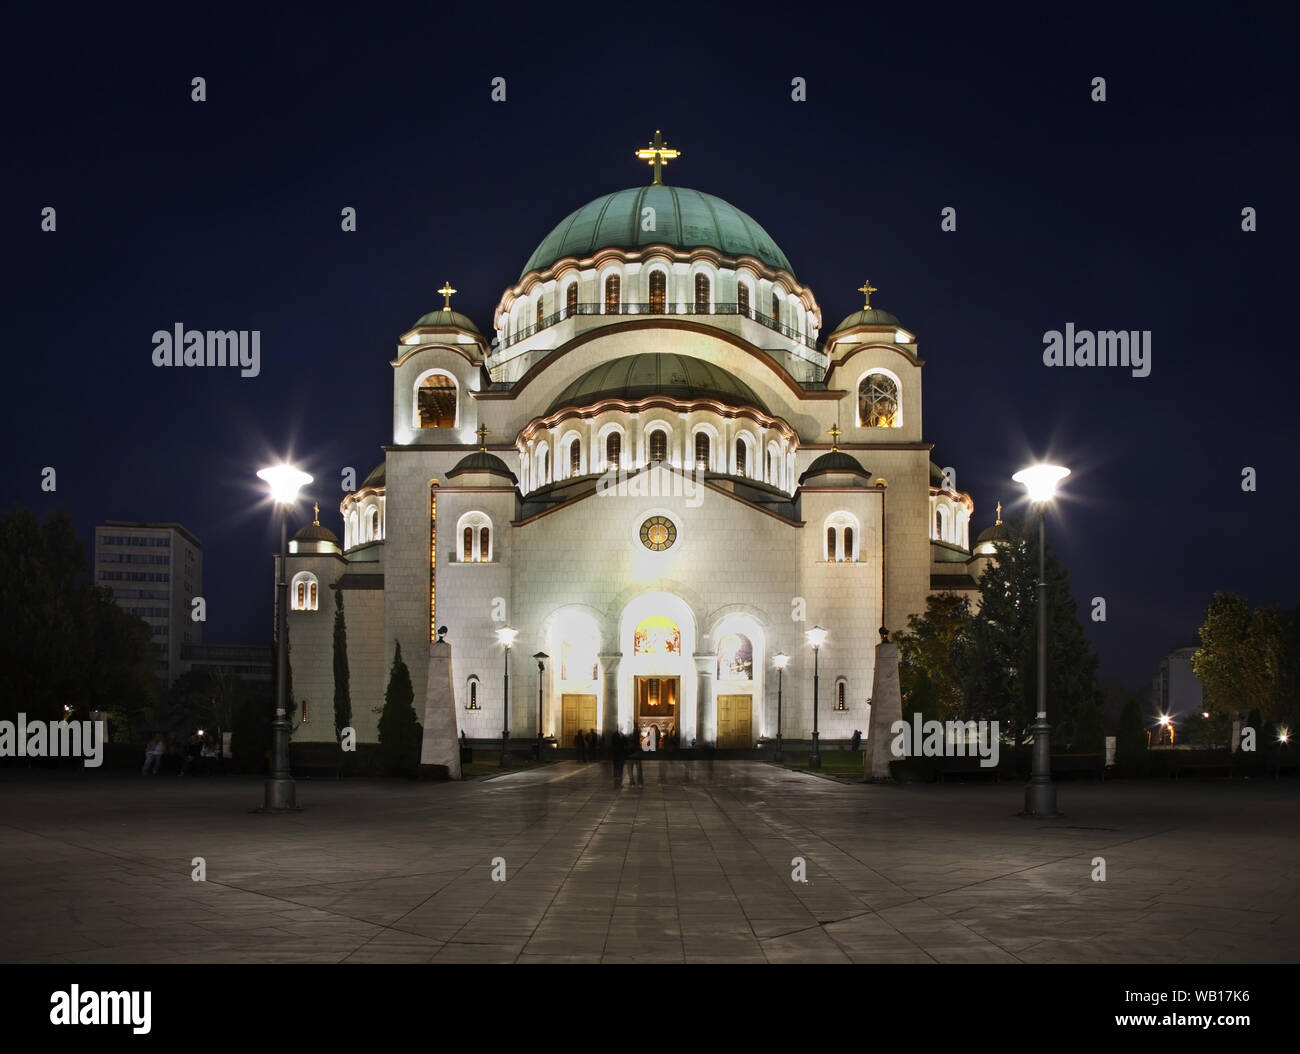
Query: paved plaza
[{"x": 694, "y": 867}]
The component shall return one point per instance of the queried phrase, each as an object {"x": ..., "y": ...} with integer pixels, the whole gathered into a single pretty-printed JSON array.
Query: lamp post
[
  {"x": 284, "y": 481},
  {"x": 1040, "y": 793},
  {"x": 780, "y": 660},
  {"x": 505, "y": 637},
  {"x": 816, "y": 637},
  {"x": 541, "y": 658}
]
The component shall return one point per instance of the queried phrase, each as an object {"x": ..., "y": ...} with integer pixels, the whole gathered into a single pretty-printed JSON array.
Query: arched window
[
  {"x": 938, "y": 523},
  {"x": 613, "y": 294},
  {"x": 372, "y": 526},
  {"x": 771, "y": 466},
  {"x": 701, "y": 294},
  {"x": 742, "y": 299},
  {"x": 776, "y": 309},
  {"x": 613, "y": 449},
  {"x": 842, "y": 532},
  {"x": 741, "y": 447},
  {"x": 571, "y": 300},
  {"x": 658, "y": 445},
  {"x": 476, "y": 538},
  {"x": 540, "y": 316},
  {"x": 848, "y": 543},
  {"x": 841, "y": 690},
  {"x": 701, "y": 451},
  {"x": 435, "y": 401},
  {"x": 303, "y": 594},
  {"x": 831, "y": 553},
  {"x": 658, "y": 292},
  {"x": 471, "y": 697},
  {"x": 878, "y": 402},
  {"x": 575, "y": 458}
]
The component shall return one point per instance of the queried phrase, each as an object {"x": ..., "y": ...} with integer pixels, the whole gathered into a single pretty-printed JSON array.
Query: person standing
[
  {"x": 616, "y": 759},
  {"x": 635, "y": 776},
  {"x": 593, "y": 746},
  {"x": 153, "y": 755},
  {"x": 580, "y": 745}
]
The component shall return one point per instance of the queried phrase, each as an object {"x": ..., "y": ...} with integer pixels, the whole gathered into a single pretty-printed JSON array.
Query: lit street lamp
[
  {"x": 541, "y": 658},
  {"x": 780, "y": 660},
  {"x": 1040, "y": 793},
  {"x": 505, "y": 637},
  {"x": 284, "y": 481},
  {"x": 816, "y": 637}
]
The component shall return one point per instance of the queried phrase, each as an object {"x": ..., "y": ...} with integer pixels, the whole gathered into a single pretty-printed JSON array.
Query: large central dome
[
  {"x": 634, "y": 377},
  {"x": 684, "y": 219}
]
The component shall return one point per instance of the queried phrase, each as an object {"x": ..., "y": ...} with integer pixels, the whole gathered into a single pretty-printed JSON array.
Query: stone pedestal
[
  {"x": 441, "y": 745},
  {"x": 886, "y": 708}
]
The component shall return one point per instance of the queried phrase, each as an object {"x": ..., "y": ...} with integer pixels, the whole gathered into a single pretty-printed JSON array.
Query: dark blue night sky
[{"x": 225, "y": 215}]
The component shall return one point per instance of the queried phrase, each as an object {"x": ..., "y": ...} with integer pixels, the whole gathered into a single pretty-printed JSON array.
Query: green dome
[
  {"x": 872, "y": 316},
  {"x": 482, "y": 461},
  {"x": 376, "y": 477},
  {"x": 314, "y": 532},
  {"x": 834, "y": 461},
  {"x": 684, "y": 219},
  {"x": 635, "y": 377},
  {"x": 446, "y": 318}
]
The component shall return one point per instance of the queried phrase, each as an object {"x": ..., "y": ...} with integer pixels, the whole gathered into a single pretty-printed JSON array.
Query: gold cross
[
  {"x": 658, "y": 154},
  {"x": 316, "y": 509},
  {"x": 999, "y": 523},
  {"x": 866, "y": 289},
  {"x": 482, "y": 433},
  {"x": 835, "y": 436},
  {"x": 446, "y": 292}
]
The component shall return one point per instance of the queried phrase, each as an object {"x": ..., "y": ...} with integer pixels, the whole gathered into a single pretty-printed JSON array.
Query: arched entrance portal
[{"x": 658, "y": 686}]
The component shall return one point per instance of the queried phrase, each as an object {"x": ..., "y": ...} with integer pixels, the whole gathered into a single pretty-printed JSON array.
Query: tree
[
  {"x": 997, "y": 656},
  {"x": 400, "y": 733},
  {"x": 1131, "y": 738},
  {"x": 342, "y": 677},
  {"x": 927, "y": 654},
  {"x": 1222, "y": 661}
]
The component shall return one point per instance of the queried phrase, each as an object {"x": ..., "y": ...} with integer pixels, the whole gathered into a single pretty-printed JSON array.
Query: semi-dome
[
  {"x": 684, "y": 219},
  {"x": 482, "y": 461},
  {"x": 634, "y": 377},
  {"x": 834, "y": 461},
  {"x": 376, "y": 477},
  {"x": 446, "y": 317},
  {"x": 871, "y": 316}
]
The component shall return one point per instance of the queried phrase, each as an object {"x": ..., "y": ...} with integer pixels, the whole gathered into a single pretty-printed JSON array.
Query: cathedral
[{"x": 638, "y": 495}]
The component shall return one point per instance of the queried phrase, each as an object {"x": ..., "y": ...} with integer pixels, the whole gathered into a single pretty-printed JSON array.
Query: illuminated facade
[{"x": 657, "y": 470}]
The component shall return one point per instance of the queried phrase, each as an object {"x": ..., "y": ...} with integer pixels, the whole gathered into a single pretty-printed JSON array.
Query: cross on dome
[
  {"x": 658, "y": 154},
  {"x": 446, "y": 292},
  {"x": 316, "y": 510},
  {"x": 482, "y": 432},
  {"x": 835, "y": 436},
  {"x": 866, "y": 289}
]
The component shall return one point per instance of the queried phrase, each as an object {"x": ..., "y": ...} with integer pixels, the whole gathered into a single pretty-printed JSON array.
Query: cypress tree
[
  {"x": 342, "y": 677},
  {"x": 400, "y": 731}
]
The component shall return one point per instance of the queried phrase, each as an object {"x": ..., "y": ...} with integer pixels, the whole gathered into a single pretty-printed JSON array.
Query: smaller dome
[
  {"x": 997, "y": 533},
  {"x": 835, "y": 461},
  {"x": 447, "y": 317},
  {"x": 376, "y": 477},
  {"x": 482, "y": 461},
  {"x": 871, "y": 316},
  {"x": 314, "y": 532}
]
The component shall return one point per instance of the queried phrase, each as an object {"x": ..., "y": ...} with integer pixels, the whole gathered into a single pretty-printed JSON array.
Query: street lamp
[
  {"x": 816, "y": 637},
  {"x": 284, "y": 481},
  {"x": 1168, "y": 722},
  {"x": 780, "y": 660},
  {"x": 541, "y": 658},
  {"x": 1040, "y": 794},
  {"x": 505, "y": 637}
]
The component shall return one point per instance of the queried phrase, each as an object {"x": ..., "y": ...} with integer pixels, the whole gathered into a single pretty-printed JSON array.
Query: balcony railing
[{"x": 632, "y": 308}]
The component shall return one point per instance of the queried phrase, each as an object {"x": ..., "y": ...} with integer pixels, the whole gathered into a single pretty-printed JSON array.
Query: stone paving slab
[{"x": 694, "y": 867}]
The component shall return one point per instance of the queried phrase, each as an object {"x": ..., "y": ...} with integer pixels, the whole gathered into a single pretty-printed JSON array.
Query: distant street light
[
  {"x": 506, "y": 638},
  {"x": 780, "y": 660},
  {"x": 541, "y": 658},
  {"x": 816, "y": 638},
  {"x": 284, "y": 482},
  {"x": 1040, "y": 793}
]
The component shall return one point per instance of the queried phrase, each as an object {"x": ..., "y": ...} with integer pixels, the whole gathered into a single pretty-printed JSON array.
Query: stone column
[
  {"x": 441, "y": 744},
  {"x": 886, "y": 708}
]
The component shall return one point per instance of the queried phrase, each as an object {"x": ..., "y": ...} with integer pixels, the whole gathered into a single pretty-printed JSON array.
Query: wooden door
[
  {"x": 577, "y": 712},
  {"x": 734, "y": 722}
]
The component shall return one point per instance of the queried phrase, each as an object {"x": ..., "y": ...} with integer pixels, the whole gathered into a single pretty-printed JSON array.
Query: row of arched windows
[{"x": 362, "y": 524}]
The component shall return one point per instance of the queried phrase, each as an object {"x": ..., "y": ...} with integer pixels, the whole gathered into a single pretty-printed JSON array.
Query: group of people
[{"x": 201, "y": 754}]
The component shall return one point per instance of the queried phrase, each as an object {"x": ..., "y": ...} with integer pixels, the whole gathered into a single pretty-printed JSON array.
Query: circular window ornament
[{"x": 658, "y": 533}]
